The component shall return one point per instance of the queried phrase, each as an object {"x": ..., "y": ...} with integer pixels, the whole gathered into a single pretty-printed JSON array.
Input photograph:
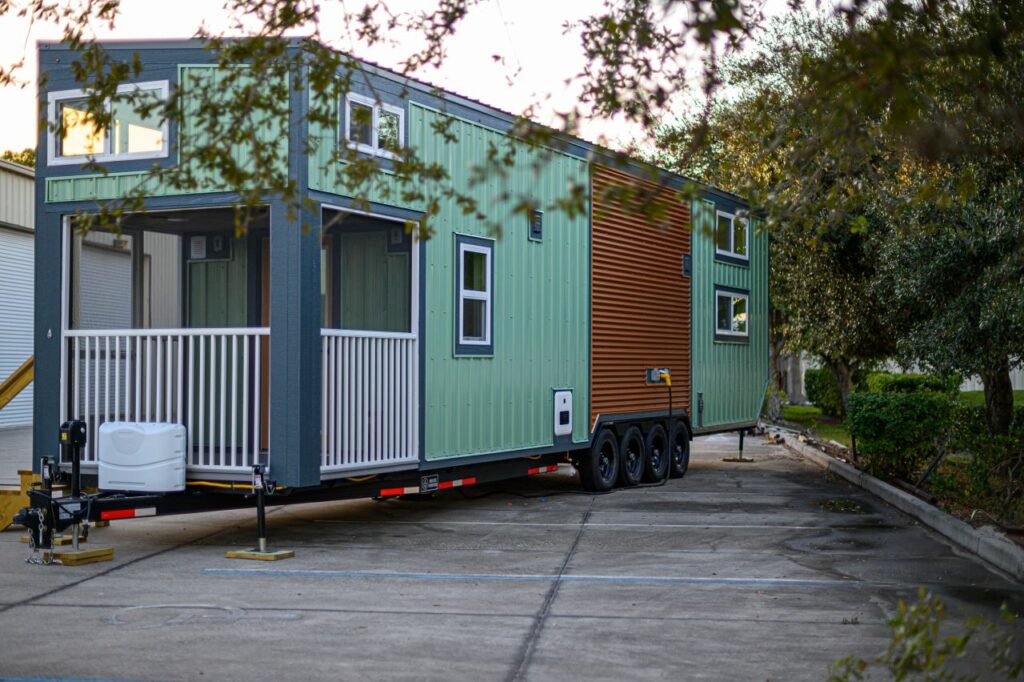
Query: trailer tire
[
  {"x": 656, "y": 464},
  {"x": 599, "y": 468},
  {"x": 632, "y": 456},
  {"x": 679, "y": 442}
]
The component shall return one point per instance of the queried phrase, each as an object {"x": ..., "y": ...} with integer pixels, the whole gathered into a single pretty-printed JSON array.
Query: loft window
[
  {"x": 133, "y": 134},
  {"x": 372, "y": 127},
  {"x": 731, "y": 238},
  {"x": 732, "y": 314},
  {"x": 474, "y": 296}
]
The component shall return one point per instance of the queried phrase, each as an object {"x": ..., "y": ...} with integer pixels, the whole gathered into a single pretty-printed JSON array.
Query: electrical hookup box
[
  {"x": 656, "y": 375},
  {"x": 142, "y": 457}
]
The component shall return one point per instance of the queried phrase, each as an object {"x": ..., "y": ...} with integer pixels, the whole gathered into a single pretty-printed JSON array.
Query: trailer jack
[
  {"x": 49, "y": 514},
  {"x": 261, "y": 487},
  {"x": 741, "y": 458}
]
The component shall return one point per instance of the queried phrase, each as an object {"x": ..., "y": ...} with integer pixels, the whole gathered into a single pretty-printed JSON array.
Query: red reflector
[
  {"x": 445, "y": 484},
  {"x": 387, "y": 492},
  {"x": 468, "y": 481},
  {"x": 117, "y": 514}
]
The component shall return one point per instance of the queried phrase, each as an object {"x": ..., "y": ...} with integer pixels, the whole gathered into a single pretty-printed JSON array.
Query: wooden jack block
[
  {"x": 255, "y": 554},
  {"x": 70, "y": 557}
]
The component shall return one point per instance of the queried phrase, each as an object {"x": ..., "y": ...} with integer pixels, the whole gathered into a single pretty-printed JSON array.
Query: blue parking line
[
  {"x": 478, "y": 577},
  {"x": 10, "y": 678}
]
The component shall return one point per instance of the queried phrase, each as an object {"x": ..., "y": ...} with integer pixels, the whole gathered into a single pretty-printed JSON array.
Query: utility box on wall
[{"x": 563, "y": 413}]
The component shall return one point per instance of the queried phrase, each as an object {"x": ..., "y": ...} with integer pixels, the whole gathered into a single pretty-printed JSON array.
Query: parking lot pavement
[{"x": 757, "y": 571}]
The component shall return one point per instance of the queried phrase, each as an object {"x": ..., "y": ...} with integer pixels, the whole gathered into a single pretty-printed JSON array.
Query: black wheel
[
  {"x": 656, "y": 464},
  {"x": 600, "y": 467},
  {"x": 632, "y": 454},
  {"x": 679, "y": 442}
]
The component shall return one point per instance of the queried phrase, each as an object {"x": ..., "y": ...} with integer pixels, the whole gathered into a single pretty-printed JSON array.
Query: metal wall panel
[
  {"x": 731, "y": 376},
  {"x": 16, "y": 305},
  {"x": 17, "y": 195},
  {"x": 640, "y": 299},
  {"x": 477, "y": 405}
]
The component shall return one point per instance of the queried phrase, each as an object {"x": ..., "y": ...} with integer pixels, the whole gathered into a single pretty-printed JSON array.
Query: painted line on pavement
[
  {"x": 738, "y": 526},
  {"x": 536, "y": 578}
]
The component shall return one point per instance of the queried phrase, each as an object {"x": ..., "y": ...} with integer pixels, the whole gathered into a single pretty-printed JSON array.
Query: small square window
[
  {"x": 731, "y": 238},
  {"x": 731, "y": 314},
  {"x": 372, "y": 127},
  {"x": 474, "y": 296}
]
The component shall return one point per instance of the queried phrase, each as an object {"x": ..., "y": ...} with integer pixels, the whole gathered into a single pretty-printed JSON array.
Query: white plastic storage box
[{"x": 143, "y": 457}]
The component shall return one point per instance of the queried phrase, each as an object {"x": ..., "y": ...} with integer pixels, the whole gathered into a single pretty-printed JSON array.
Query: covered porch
[{"x": 170, "y": 321}]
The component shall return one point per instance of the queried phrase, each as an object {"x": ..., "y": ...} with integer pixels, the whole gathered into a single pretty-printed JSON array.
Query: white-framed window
[
  {"x": 373, "y": 127},
  {"x": 732, "y": 314},
  {"x": 732, "y": 236},
  {"x": 73, "y": 137},
  {"x": 474, "y": 296}
]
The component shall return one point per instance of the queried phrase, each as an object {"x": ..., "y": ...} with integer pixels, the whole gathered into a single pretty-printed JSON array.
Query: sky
[{"x": 538, "y": 56}]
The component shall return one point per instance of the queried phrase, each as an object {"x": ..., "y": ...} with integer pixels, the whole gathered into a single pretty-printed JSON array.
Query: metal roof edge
[{"x": 17, "y": 168}]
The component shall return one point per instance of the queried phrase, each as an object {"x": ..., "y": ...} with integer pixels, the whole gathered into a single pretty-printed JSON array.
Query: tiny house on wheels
[{"x": 355, "y": 359}]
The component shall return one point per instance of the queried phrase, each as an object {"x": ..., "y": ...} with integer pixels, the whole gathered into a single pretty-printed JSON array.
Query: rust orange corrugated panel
[{"x": 639, "y": 298}]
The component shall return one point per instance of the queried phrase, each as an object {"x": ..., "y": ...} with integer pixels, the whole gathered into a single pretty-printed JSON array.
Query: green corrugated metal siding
[
  {"x": 476, "y": 405},
  {"x": 325, "y": 172},
  {"x": 199, "y": 81},
  {"x": 731, "y": 376},
  {"x": 374, "y": 283},
  {"x": 218, "y": 290}
]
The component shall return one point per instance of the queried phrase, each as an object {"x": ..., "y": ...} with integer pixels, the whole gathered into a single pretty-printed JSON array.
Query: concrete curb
[{"x": 1000, "y": 552}]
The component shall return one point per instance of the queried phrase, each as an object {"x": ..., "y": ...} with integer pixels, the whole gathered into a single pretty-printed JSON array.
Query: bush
[
  {"x": 897, "y": 432},
  {"x": 886, "y": 382},
  {"x": 822, "y": 390},
  {"x": 968, "y": 423}
]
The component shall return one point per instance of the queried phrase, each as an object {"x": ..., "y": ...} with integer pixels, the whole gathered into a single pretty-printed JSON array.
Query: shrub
[
  {"x": 887, "y": 382},
  {"x": 822, "y": 390},
  {"x": 897, "y": 432},
  {"x": 968, "y": 423}
]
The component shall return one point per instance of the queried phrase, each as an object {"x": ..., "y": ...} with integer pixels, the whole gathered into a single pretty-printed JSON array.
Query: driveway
[{"x": 757, "y": 571}]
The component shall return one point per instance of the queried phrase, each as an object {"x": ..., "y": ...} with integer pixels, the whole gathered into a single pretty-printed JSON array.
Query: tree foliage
[
  {"x": 855, "y": 130},
  {"x": 883, "y": 150},
  {"x": 26, "y": 157}
]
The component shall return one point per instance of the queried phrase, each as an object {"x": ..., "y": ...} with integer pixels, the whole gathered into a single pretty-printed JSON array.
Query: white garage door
[
  {"x": 105, "y": 298},
  {"x": 16, "y": 287}
]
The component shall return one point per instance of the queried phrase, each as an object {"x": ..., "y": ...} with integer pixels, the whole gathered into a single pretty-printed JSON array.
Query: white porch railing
[
  {"x": 370, "y": 400},
  {"x": 211, "y": 380}
]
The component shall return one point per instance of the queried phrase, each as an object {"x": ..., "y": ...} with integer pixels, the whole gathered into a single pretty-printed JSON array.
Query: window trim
[
  {"x": 727, "y": 334},
  {"x": 731, "y": 256},
  {"x": 463, "y": 345},
  {"x": 376, "y": 106},
  {"x": 54, "y": 98}
]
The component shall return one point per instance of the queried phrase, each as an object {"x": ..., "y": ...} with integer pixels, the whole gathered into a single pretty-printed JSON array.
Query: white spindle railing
[
  {"x": 370, "y": 399},
  {"x": 211, "y": 380}
]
